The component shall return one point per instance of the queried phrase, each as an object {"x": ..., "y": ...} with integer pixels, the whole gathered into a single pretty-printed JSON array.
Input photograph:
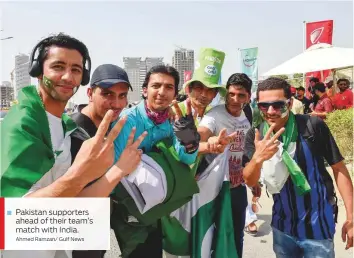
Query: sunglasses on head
[{"x": 276, "y": 105}]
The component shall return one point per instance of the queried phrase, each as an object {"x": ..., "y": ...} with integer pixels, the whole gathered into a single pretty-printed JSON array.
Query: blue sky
[{"x": 112, "y": 30}]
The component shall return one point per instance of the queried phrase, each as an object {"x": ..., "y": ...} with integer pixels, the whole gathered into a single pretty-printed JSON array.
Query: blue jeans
[
  {"x": 239, "y": 204},
  {"x": 286, "y": 246}
]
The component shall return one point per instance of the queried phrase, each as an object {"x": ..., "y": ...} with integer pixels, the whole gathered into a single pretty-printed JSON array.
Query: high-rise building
[
  {"x": 6, "y": 94},
  {"x": 22, "y": 77},
  {"x": 136, "y": 69},
  {"x": 183, "y": 60}
]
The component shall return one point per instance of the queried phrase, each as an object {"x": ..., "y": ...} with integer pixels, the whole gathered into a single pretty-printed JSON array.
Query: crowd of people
[
  {"x": 322, "y": 99},
  {"x": 47, "y": 153}
]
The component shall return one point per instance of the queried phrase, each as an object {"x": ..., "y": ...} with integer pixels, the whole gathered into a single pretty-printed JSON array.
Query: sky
[{"x": 113, "y": 29}]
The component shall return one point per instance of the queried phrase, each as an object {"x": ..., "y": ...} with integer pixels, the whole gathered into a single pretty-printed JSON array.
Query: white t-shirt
[{"x": 217, "y": 119}]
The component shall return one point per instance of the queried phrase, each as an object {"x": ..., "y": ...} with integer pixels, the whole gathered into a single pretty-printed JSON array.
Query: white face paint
[{"x": 284, "y": 114}]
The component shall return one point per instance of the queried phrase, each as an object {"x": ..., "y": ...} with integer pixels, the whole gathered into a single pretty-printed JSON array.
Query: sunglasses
[{"x": 276, "y": 105}]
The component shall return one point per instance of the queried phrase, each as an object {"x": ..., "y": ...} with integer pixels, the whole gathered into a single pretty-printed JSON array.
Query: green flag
[
  {"x": 26, "y": 146},
  {"x": 204, "y": 227}
]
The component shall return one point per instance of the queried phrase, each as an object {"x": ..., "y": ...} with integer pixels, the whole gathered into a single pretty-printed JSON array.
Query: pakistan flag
[
  {"x": 203, "y": 227},
  {"x": 26, "y": 146}
]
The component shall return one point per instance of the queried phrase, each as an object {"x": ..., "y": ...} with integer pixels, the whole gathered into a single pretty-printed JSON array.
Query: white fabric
[
  {"x": 217, "y": 119},
  {"x": 147, "y": 185},
  {"x": 274, "y": 171},
  {"x": 250, "y": 215},
  {"x": 61, "y": 148},
  {"x": 317, "y": 58}
]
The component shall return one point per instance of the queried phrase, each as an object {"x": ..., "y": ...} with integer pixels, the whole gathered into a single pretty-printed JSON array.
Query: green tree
[
  {"x": 282, "y": 76},
  {"x": 297, "y": 80}
]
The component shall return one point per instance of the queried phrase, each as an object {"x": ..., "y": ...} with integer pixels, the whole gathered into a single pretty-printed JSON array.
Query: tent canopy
[{"x": 316, "y": 58}]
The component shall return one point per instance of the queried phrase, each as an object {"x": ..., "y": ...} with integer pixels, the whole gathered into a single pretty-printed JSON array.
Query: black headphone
[{"x": 35, "y": 66}]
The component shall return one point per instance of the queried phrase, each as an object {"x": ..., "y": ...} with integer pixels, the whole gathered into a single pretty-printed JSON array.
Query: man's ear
[
  {"x": 89, "y": 93},
  {"x": 291, "y": 103}
]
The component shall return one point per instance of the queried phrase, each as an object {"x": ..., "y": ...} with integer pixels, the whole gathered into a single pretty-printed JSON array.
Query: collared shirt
[
  {"x": 343, "y": 100},
  {"x": 137, "y": 117},
  {"x": 324, "y": 104}
]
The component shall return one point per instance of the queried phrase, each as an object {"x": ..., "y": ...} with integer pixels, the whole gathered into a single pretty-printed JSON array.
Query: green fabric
[
  {"x": 208, "y": 69},
  {"x": 26, "y": 147},
  {"x": 181, "y": 186},
  {"x": 290, "y": 135},
  {"x": 215, "y": 214}
]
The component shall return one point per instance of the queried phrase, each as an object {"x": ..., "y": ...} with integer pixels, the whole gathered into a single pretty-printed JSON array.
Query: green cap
[{"x": 208, "y": 69}]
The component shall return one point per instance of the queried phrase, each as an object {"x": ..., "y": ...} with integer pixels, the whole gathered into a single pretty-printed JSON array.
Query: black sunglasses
[{"x": 277, "y": 105}]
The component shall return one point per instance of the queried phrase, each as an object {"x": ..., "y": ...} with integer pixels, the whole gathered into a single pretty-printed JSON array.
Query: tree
[
  {"x": 282, "y": 76},
  {"x": 297, "y": 80}
]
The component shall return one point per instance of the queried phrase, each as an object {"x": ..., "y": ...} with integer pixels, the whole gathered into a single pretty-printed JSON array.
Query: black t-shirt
[
  {"x": 306, "y": 102},
  {"x": 85, "y": 123}
]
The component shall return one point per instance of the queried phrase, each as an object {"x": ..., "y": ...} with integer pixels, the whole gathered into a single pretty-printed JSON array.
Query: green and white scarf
[{"x": 290, "y": 135}]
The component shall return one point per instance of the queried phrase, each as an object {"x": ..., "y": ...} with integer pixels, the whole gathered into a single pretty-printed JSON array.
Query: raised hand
[
  {"x": 217, "y": 144},
  {"x": 96, "y": 154},
  {"x": 185, "y": 129},
  {"x": 131, "y": 156},
  {"x": 268, "y": 146}
]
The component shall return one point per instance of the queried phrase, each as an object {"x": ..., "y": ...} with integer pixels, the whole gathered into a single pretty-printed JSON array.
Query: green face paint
[{"x": 47, "y": 82}]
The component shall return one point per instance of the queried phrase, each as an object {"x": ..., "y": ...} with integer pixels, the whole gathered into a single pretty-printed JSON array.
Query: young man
[
  {"x": 297, "y": 107},
  {"x": 303, "y": 225},
  {"x": 108, "y": 91},
  {"x": 300, "y": 95},
  {"x": 152, "y": 115},
  {"x": 35, "y": 135},
  {"x": 324, "y": 104},
  {"x": 344, "y": 98},
  {"x": 232, "y": 117}
]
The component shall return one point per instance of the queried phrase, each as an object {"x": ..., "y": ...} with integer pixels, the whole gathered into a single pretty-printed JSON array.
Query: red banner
[
  {"x": 187, "y": 76},
  {"x": 318, "y": 32}
]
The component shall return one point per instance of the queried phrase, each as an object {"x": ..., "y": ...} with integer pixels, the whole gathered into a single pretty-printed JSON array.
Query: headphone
[{"x": 35, "y": 66}]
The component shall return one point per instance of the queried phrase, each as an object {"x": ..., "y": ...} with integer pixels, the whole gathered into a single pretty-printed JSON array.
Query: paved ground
[{"x": 261, "y": 245}]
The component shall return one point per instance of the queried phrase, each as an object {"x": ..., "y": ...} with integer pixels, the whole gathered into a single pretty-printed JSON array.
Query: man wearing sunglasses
[
  {"x": 344, "y": 98},
  {"x": 303, "y": 222}
]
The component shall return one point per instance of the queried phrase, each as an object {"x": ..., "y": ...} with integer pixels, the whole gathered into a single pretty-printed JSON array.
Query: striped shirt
[{"x": 309, "y": 216}]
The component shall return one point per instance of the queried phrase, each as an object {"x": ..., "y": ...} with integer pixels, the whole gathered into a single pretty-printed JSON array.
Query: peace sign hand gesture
[
  {"x": 96, "y": 154},
  {"x": 185, "y": 129},
  {"x": 268, "y": 146},
  {"x": 217, "y": 144},
  {"x": 131, "y": 155}
]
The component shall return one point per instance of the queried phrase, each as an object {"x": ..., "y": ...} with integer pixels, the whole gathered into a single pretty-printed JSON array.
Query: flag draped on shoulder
[
  {"x": 203, "y": 227},
  {"x": 26, "y": 147}
]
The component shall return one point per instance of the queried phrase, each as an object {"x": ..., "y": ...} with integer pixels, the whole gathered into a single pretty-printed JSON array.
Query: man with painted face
[
  {"x": 304, "y": 211},
  {"x": 344, "y": 98},
  {"x": 36, "y": 136},
  {"x": 152, "y": 115},
  {"x": 230, "y": 116}
]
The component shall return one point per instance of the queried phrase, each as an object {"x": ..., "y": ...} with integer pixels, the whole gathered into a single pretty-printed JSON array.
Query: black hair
[
  {"x": 240, "y": 79},
  {"x": 274, "y": 83},
  {"x": 314, "y": 79},
  {"x": 64, "y": 41},
  {"x": 301, "y": 88},
  {"x": 345, "y": 80},
  {"x": 164, "y": 69},
  {"x": 329, "y": 84},
  {"x": 320, "y": 87}
]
